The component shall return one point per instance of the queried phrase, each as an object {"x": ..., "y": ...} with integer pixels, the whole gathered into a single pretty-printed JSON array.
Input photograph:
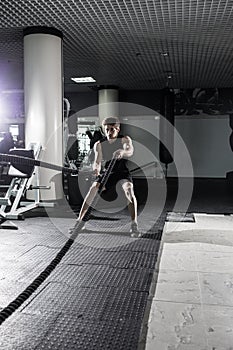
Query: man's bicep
[
  {"x": 98, "y": 152},
  {"x": 128, "y": 144}
]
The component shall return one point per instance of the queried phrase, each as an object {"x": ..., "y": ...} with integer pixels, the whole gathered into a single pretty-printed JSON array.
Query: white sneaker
[
  {"x": 82, "y": 228},
  {"x": 134, "y": 230}
]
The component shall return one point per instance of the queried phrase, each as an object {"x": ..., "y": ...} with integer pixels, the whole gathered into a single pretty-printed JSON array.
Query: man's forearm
[
  {"x": 96, "y": 167},
  {"x": 127, "y": 153},
  {"x": 123, "y": 153}
]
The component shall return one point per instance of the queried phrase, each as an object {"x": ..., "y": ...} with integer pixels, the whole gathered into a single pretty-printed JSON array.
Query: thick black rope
[
  {"x": 21, "y": 298},
  {"x": 13, "y": 159},
  {"x": 79, "y": 224}
]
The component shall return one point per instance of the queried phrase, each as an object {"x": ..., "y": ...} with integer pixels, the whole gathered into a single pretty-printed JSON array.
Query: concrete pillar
[
  {"x": 43, "y": 91},
  {"x": 108, "y": 103}
]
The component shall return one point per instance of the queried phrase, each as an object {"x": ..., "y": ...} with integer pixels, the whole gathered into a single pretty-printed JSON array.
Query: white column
[
  {"x": 108, "y": 103},
  {"x": 43, "y": 91}
]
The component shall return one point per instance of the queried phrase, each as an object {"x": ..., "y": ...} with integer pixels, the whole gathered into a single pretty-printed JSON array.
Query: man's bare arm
[
  {"x": 98, "y": 158},
  {"x": 127, "y": 148}
]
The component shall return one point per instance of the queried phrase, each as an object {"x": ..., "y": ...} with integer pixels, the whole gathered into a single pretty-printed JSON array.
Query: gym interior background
[{"x": 112, "y": 291}]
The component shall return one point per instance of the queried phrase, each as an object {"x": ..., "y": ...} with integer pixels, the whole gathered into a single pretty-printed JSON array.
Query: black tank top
[{"x": 107, "y": 151}]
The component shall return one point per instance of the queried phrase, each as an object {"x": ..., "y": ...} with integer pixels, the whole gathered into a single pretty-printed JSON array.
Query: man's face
[{"x": 111, "y": 131}]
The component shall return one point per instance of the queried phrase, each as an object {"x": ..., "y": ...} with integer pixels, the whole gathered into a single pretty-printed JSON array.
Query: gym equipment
[
  {"x": 229, "y": 174},
  {"x": 22, "y": 177},
  {"x": 74, "y": 185},
  {"x": 22, "y": 160},
  {"x": 166, "y": 131},
  {"x": 79, "y": 224},
  {"x": 22, "y": 170},
  {"x": 25, "y": 177},
  {"x": 72, "y": 148}
]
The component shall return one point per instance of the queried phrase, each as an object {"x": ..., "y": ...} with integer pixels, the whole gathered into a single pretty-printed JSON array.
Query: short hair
[{"x": 111, "y": 121}]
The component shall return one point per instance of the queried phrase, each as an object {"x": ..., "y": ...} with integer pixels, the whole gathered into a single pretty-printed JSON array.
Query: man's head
[{"x": 111, "y": 127}]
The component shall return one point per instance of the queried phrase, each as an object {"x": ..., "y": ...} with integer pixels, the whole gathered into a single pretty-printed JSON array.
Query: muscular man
[{"x": 113, "y": 144}]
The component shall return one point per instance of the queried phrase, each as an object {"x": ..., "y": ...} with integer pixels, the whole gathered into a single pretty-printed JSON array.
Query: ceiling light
[
  {"x": 164, "y": 54},
  {"x": 84, "y": 80}
]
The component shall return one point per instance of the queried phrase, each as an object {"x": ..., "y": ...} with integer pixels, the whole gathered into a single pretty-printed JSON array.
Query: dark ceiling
[{"x": 122, "y": 42}]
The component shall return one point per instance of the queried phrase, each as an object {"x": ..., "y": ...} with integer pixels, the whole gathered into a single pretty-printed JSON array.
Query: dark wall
[
  {"x": 147, "y": 98},
  {"x": 83, "y": 100},
  {"x": 187, "y": 101}
]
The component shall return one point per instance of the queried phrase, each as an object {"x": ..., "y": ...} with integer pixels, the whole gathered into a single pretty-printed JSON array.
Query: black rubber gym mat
[
  {"x": 9, "y": 290},
  {"x": 98, "y": 257},
  {"x": 102, "y": 282},
  {"x": 90, "y": 334},
  {"x": 25, "y": 331},
  {"x": 116, "y": 243},
  {"x": 102, "y": 276},
  {"x": 100, "y": 303}
]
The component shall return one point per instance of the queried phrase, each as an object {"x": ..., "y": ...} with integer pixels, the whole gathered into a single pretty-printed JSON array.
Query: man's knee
[{"x": 128, "y": 189}]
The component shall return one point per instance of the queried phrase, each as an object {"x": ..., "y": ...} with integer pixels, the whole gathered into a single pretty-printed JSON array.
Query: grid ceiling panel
[{"x": 120, "y": 41}]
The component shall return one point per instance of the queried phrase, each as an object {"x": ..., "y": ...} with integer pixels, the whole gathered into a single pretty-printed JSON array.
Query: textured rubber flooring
[{"x": 94, "y": 299}]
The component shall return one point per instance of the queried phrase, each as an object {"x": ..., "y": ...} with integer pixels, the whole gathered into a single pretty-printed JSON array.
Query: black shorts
[{"x": 114, "y": 178}]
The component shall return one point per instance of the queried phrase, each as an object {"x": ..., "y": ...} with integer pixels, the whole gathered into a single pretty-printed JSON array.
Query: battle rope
[
  {"x": 79, "y": 224},
  {"x": 9, "y": 158},
  {"x": 15, "y": 304},
  {"x": 22, "y": 297}
]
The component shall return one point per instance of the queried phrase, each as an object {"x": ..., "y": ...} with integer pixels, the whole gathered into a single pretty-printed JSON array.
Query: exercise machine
[{"x": 25, "y": 177}]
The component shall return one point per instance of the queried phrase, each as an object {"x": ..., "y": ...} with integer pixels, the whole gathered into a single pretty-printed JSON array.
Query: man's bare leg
[
  {"x": 88, "y": 200},
  {"x": 86, "y": 204},
  {"x": 132, "y": 205}
]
